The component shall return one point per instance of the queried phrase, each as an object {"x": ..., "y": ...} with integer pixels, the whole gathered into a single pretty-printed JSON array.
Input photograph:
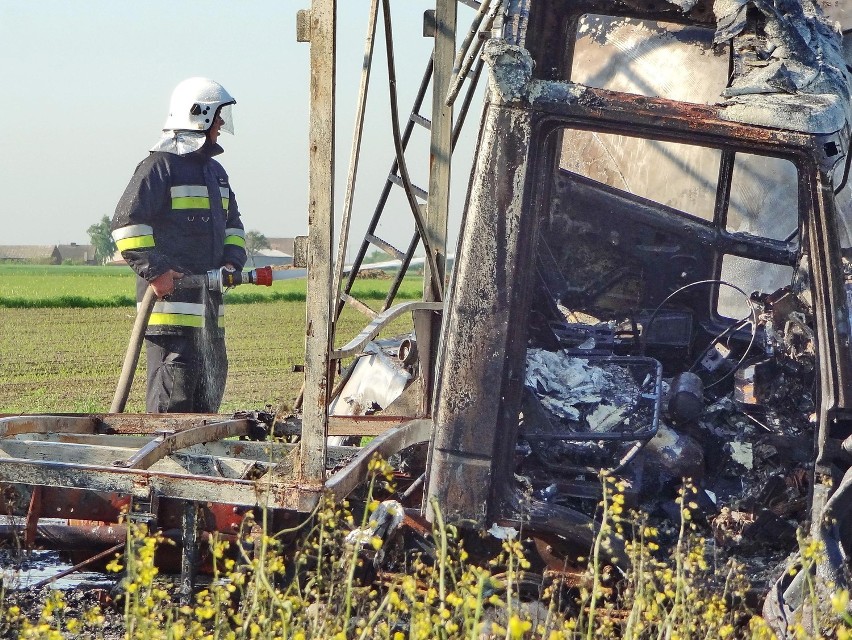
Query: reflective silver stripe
[
  {"x": 235, "y": 232},
  {"x": 132, "y": 231},
  {"x": 186, "y": 308},
  {"x": 189, "y": 191},
  {"x": 225, "y": 192},
  {"x": 183, "y": 308}
]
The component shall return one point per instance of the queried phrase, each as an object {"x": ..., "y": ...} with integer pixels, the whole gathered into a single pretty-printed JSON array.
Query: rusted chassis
[
  {"x": 477, "y": 408},
  {"x": 92, "y": 469}
]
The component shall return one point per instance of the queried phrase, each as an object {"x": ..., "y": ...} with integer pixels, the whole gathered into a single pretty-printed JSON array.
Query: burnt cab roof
[{"x": 787, "y": 69}]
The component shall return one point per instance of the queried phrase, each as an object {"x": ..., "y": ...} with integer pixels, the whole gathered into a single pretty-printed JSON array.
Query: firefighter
[{"x": 178, "y": 216}]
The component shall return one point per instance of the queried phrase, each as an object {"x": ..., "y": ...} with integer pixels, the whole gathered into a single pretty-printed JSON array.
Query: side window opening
[
  {"x": 748, "y": 275},
  {"x": 672, "y": 180},
  {"x": 764, "y": 199},
  {"x": 676, "y": 175}
]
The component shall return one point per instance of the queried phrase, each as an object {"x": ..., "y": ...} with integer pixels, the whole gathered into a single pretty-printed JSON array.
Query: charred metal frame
[
  {"x": 60, "y": 460},
  {"x": 473, "y": 337},
  {"x": 472, "y": 454}
]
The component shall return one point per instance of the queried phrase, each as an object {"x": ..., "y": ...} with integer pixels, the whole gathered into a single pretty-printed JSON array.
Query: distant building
[
  {"x": 48, "y": 253},
  {"x": 77, "y": 253},
  {"x": 284, "y": 245},
  {"x": 269, "y": 258},
  {"x": 31, "y": 253}
]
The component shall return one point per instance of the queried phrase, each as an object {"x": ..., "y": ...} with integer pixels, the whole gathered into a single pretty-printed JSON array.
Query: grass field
[
  {"x": 46, "y": 286},
  {"x": 60, "y": 358}
]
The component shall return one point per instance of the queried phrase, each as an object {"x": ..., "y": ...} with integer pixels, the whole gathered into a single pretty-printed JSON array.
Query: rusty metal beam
[
  {"x": 140, "y": 484},
  {"x": 441, "y": 146},
  {"x": 405, "y": 435},
  {"x": 84, "y": 536},
  {"x": 15, "y": 425},
  {"x": 169, "y": 442},
  {"x": 144, "y": 423},
  {"x": 363, "y": 425},
  {"x": 356, "y": 345}
]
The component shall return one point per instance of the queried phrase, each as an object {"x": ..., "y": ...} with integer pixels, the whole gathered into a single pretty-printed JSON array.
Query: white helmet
[{"x": 194, "y": 103}]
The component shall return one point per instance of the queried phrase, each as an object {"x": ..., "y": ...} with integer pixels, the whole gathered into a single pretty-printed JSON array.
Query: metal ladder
[{"x": 463, "y": 74}]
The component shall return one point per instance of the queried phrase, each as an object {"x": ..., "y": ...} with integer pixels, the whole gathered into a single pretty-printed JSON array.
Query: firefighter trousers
[{"x": 186, "y": 373}]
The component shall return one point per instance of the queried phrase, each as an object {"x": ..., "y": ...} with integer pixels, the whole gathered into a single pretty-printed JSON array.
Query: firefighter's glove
[{"x": 164, "y": 284}]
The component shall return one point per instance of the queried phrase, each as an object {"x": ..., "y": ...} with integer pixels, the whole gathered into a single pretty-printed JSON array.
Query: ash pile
[{"x": 737, "y": 417}]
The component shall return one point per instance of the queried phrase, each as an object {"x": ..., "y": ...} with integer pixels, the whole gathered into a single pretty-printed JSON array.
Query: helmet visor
[{"x": 227, "y": 115}]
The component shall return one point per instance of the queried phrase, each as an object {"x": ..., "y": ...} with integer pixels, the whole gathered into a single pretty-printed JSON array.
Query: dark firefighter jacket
[{"x": 178, "y": 212}]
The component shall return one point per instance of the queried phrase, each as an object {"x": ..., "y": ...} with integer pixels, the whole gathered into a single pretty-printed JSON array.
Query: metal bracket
[
  {"x": 145, "y": 511},
  {"x": 429, "y": 23},
  {"x": 300, "y": 252},
  {"x": 303, "y": 25}
]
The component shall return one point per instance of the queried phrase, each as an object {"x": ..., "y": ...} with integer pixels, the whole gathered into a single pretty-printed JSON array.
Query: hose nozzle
[{"x": 222, "y": 278}]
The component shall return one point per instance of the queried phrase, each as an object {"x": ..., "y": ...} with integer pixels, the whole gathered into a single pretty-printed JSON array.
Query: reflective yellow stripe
[
  {"x": 175, "y": 320},
  {"x": 177, "y": 314},
  {"x": 139, "y": 242},
  {"x": 191, "y": 203},
  {"x": 225, "y": 202},
  {"x": 237, "y": 241},
  {"x": 133, "y": 236}
]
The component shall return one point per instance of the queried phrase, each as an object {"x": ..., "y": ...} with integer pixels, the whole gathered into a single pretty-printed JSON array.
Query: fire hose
[{"x": 214, "y": 280}]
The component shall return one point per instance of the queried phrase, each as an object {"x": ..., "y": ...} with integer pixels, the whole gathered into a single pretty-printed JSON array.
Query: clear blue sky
[{"x": 86, "y": 88}]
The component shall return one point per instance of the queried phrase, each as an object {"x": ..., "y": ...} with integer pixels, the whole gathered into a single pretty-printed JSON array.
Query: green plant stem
[
  {"x": 382, "y": 606},
  {"x": 480, "y": 588},
  {"x": 442, "y": 559},
  {"x": 596, "y": 568}
]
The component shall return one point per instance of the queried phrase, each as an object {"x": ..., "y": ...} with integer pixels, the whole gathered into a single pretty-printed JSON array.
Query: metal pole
[
  {"x": 80, "y": 565},
  {"x": 440, "y": 152},
  {"x": 470, "y": 52},
  {"x": 440, "y": 149},
  {"x": 323, "y": 18}
]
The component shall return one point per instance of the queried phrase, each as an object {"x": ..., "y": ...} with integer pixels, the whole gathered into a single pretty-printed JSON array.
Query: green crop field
[
  {"x": 66, "y": 356},
  {"x": 41, "y": 286}
]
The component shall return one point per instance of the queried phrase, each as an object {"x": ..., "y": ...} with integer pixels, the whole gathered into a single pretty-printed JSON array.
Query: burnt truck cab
[{"x": 691, "y": 253}]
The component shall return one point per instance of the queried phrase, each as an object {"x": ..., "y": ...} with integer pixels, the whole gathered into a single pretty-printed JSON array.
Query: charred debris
[
  {"x": 653, "y": 268},
  {"x": 650, "y": 278}
]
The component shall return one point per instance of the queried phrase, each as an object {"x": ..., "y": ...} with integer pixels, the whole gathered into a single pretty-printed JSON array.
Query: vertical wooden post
[
  {"x": 440, "y": 151},
  {"x": 323, "y": 22}
]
